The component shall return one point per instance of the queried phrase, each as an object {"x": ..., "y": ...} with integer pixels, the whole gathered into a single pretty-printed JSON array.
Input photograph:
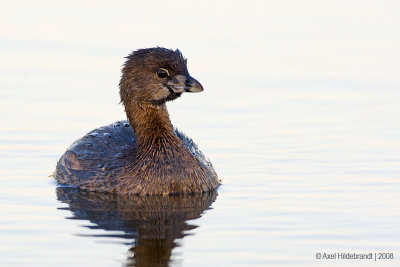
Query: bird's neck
[{"x": 151, "y": 125}]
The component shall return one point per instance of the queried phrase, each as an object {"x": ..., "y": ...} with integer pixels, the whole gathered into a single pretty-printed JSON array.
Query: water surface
[{"x": 300, "y": 117}]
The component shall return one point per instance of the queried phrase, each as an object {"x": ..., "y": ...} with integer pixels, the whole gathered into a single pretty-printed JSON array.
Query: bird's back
[{"x": 105, "y": 154}]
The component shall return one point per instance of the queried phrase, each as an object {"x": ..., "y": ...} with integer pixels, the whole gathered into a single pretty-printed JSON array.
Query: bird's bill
[{"x": 182, "y": 83}]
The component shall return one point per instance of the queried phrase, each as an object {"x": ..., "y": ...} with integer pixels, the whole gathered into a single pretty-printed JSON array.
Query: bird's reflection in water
[{"x": 152, "y": 222}]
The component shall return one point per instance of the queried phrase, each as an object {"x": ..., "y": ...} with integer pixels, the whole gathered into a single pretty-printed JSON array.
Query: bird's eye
[{"x": 162, "y": 73}]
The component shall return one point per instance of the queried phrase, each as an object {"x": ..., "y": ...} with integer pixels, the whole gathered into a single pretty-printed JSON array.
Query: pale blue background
[{"x": 300, "y": 116}]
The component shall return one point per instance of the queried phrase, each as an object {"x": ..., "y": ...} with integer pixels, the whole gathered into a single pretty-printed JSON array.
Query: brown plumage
[{"x": 144, "y": 156}]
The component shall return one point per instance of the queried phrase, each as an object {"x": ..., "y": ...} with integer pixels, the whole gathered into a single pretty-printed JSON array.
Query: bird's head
[{"x": 155, "y": 75}]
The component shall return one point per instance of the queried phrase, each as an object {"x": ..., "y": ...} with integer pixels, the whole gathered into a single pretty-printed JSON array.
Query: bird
[{"x": 145, "y": 154}]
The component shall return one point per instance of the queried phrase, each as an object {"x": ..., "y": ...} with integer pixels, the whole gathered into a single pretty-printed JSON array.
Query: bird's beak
[{"x": 183, "y": 83}]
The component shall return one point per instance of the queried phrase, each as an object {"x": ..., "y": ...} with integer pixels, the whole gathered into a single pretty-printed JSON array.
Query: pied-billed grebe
[{"x": 145, "y": 156}]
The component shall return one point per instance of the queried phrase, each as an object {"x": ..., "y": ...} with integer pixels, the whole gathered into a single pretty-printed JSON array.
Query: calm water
[{"x": 300, "y": 117}]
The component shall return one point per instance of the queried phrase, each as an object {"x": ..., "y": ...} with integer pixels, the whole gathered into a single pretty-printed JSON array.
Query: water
[{"x": 299, "y": 117}]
